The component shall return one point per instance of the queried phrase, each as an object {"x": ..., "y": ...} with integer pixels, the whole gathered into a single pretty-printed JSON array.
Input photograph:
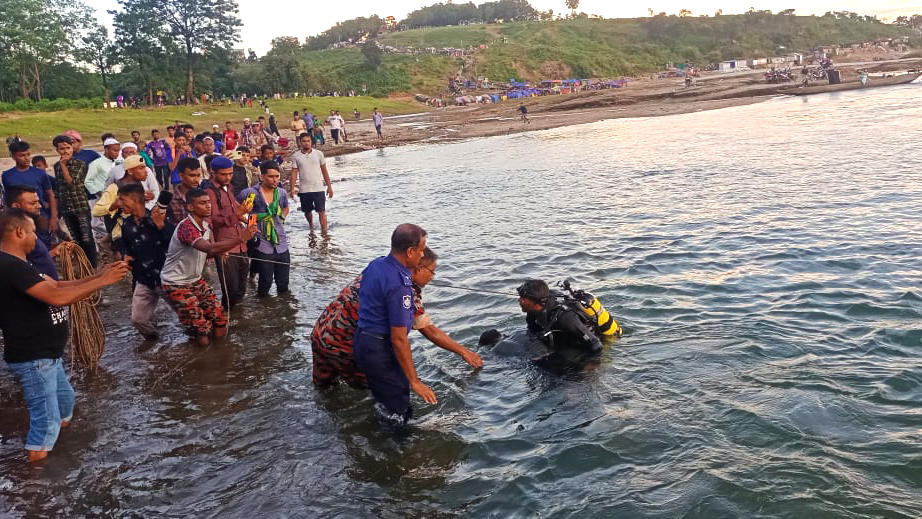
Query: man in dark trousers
[
  {"x": 381, "y": 343},
  {"x": 227, "y": 221}
]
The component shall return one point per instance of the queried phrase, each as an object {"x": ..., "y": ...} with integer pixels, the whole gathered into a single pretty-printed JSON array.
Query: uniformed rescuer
[{"x": 381, "y": 344}]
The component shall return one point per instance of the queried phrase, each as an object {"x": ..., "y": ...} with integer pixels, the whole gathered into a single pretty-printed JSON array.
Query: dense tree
[
  {"x": 35, "y": 34},
  {"x": 572, "y": 5},
  {"x": 443, "y": 14},
  {"x": 284, "y": 60},
  {"x": 373, "y": 54},
  {"x": 141, "y": 40},
  {"x": 350, "y": 30},
  {"x": 201, "y": 27},
  {"x": 99, "y": 51}
]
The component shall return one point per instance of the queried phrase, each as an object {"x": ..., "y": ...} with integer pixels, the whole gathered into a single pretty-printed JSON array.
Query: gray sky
[{"x": 263, "y": 21}]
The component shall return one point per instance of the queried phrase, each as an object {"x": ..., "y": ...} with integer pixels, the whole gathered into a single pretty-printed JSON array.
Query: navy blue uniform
[{"x": 385, "y": 301}]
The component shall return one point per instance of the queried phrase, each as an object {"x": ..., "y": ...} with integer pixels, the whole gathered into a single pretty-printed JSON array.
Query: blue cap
[{"x": 221, "y": 163}]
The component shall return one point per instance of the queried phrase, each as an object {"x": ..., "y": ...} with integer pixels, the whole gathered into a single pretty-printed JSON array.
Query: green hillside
[{"x": 578, "y": 48}]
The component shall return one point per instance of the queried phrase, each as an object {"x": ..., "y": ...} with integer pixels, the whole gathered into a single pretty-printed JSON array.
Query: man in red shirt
[
  {"x": 230, "y": 137},
  {"x": 227, "y": 221}
]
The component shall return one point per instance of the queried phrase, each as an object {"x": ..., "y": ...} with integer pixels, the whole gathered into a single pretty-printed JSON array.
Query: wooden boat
[{"x": 794, "y": 90}]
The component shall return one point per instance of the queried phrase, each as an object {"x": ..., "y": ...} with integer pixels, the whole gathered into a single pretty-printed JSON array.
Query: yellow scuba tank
[
  {"x": 607, "y": 324},
  {"x": 594, "y": 309}
]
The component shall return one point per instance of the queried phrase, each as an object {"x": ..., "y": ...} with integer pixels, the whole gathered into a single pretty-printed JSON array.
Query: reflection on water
[{"x": 764, "y": 260}]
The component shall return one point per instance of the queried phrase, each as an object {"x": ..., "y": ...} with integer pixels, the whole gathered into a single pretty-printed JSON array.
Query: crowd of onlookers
[{"x": 160, "y": 209}]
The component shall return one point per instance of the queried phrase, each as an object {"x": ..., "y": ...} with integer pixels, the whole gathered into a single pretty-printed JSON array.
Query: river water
[{"x": 763, "y": 259}]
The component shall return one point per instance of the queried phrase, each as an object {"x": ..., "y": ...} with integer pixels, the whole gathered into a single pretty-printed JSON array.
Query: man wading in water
[{"x": 34, "y": 322}]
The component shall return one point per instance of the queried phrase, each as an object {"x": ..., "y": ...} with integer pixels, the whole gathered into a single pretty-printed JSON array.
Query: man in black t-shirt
[{"x": 33, "y": 319}]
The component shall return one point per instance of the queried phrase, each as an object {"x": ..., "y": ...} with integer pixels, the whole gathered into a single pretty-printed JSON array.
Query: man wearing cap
[
  {"x": 261, "y": 136},
  {"x": 246, "y": 135},
  {"x": 227, "y": 221},
  {"x": 109, "y": 208},
  {"x": 151, "y": 187},
  {"x": 204, "y": 147},
  {"x": 81, "y": 153},
  {"x": 99, "y": 170}
]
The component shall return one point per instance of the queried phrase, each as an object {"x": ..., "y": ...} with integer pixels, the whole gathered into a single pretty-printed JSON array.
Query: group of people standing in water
[{"x": 362, "y": 337}]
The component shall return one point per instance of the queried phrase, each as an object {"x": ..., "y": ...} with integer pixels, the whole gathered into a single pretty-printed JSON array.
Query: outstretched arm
[
  {"x": 67, "y": 293},
  {"x": 444, "y": 341},
  {"x": 213, "y": 249}
]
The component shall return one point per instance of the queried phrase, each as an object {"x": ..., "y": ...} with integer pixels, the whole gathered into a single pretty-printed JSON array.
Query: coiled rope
[{"x": 87, "y": 333}]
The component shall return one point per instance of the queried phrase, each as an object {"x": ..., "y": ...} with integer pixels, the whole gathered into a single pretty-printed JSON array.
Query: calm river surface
[{"x": 765, "y": 261}]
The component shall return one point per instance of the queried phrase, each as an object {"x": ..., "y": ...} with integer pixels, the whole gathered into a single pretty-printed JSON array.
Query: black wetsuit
[{"x": 562, "y": 326}]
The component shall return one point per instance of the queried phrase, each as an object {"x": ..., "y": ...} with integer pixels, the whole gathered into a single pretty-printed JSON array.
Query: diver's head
[
  {"x": 425, "y": 271},
  {"x": 490, "y": 338},
  {"x": 533, "y": 295}
]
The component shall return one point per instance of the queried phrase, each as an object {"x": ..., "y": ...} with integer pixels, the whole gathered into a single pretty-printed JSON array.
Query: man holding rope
[
  {"x": 34, "y": 322},
  {"x": 228, "y": 219},
  {"x": 186, "y": 290},
  {"x": 145, "y": 238},
  {"x": 270, "y": 255}
]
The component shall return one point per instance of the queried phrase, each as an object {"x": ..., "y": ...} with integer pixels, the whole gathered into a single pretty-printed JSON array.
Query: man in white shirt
[
  {"x": 308, "y": 177},
  {"x": 335, "y": 126},
  {"x": 96, "y": 177},
  {"x": 342, "y": 127}
]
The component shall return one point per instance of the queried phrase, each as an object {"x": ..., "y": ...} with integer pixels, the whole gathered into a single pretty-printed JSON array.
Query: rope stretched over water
[
  {"x": 344, "y": 273},
  {"x": 87, "y": 333}
]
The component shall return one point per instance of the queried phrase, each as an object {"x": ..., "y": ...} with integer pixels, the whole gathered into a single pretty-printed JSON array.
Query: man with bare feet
[
  {"x": 188, "y": 293},
  {"x": 34, "y": 322},
  {"x": 308, "y": 176}
]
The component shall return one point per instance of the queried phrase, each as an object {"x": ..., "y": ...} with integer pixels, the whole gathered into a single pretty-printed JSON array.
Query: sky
[{"x": 263, "y": 21}]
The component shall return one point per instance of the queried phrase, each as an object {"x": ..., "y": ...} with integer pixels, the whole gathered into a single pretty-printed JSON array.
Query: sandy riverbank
[{"x": 642, "y": 98}]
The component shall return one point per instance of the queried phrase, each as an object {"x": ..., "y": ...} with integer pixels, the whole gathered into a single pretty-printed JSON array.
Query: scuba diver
[{"x": 569, "y": 323}]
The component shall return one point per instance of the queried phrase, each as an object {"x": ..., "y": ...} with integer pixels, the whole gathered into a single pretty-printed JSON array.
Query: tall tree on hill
[
  {"x": 34, "y": 34},
  {"x": 100, "y": 52},
  {"x": 140, "y": 39},
  {"x": 200, "y": 26},
  {"x": 284, "y": 60},
  {"x": 572, "y": 5},
  {"x": 373, "y": 54}
]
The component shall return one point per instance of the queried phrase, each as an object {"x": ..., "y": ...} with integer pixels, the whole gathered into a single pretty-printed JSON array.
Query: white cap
[
  {"x": 215, "y": 126},
  {"x": 109, "y": 142}
]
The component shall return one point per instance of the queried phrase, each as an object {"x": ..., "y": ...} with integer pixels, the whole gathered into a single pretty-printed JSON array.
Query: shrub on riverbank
[{"x": 51, "y": 105}]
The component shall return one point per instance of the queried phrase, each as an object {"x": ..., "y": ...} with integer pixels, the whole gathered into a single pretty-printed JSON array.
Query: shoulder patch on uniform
[{"x": 407, "y": 302}]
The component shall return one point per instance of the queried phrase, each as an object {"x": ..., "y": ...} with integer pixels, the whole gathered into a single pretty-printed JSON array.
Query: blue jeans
[{"x": 50, "y": 399}]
